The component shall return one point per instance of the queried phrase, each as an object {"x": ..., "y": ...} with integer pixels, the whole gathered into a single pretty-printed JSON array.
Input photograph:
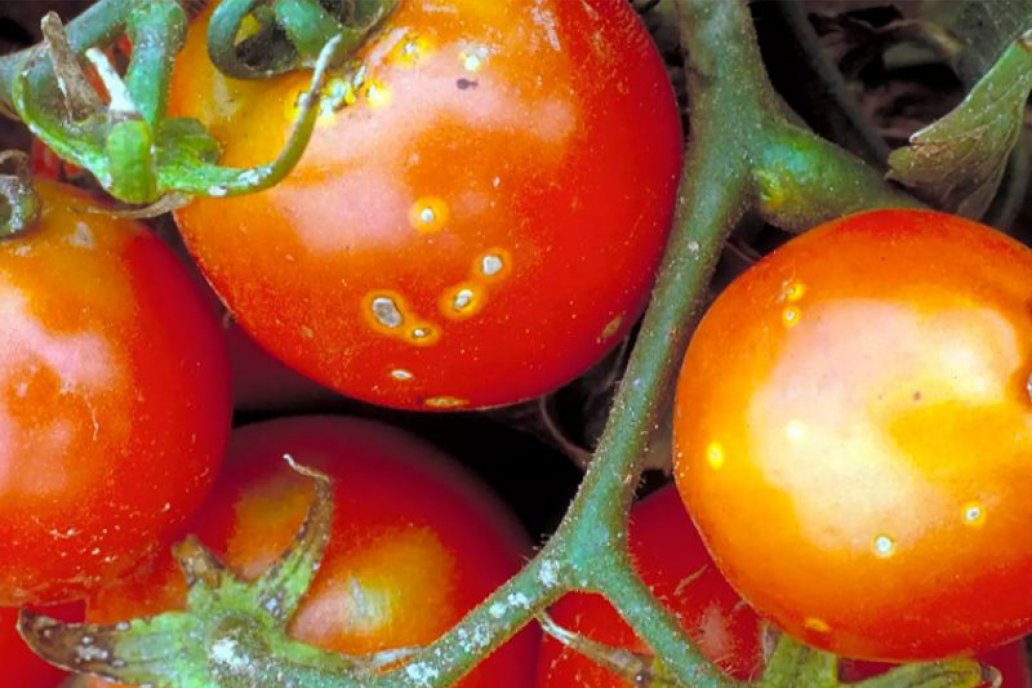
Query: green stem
[
  {"x": 539, "y": 584},
  {"x": 223, "y": 29},
  {"x": 101, "y": 24},
  {"x": 157, "y": 30},
  {"x": 803, "y": 180},
  {"x": 662, "y": 630},
  {"x": 308, "y": 25}
]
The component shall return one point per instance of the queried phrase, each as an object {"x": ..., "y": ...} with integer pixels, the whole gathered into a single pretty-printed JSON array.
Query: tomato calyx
[
  {"x": 792, "y": 663},
  {"x": 232, "y": 632},
  {"x": 19, "y": 204},
  {"x": 126, "y": 139},
  {"x": 285, "y": 35}
]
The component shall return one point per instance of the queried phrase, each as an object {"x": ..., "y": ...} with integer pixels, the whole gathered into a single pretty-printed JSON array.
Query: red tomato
[
  {"x": 1010, "y": 660},
  {"x": 673, "y": 562},
  {"x": 853, "y": 434},
  {"x": 416, "y": 542},
  {"x": 114, "y": 400},
  {"x": 480, "y": 212},
  {"x": 19, "y": 667}
]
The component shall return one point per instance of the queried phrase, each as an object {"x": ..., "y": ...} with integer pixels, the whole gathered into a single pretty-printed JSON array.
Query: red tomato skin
[
  {"x": 114, "y": 400},
  {"x": 1011, "y": 661},
  {"x": 19, "y": 666},
  {"x": 853, "y": 433},
  {"x": 416, "y": 541},
  {"x": 671, "y": 559},
  {"x": 478, "y": 227}
]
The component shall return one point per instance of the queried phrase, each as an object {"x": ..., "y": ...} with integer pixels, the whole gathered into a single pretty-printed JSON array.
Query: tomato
[
  {"x": 672, "y": 560},
  {"x": 480, "y": 212},
  {"x": 415, "y": 544},
  {"x": 1010, "y": 660},
  {"x": 853, "y": 436},
  {"x": 114, "y": 400},
  {"x": 19, "y": 667}
]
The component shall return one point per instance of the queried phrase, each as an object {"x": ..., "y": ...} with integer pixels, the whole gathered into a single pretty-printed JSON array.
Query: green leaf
[{"x": 957, "y": 162}]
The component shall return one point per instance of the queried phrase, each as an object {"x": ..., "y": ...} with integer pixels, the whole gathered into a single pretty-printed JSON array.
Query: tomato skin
[
  {"x": 853, "y": 432},
  {"x": 672, "y": 560},
  {"x": 114, "y": 400},
  {"x": 1010, "y": 660},
  {"x": 416, "y": 542},
  {"x": 478, "y": 227}
]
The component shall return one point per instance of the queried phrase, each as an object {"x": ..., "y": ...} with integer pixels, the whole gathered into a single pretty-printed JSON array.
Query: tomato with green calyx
[
  {"x": 672, "y": 560},
  {"x": 853, "y": 434},
  {"x": 415, "y": 544},
  {"x": 480, "y": 211},
  {"x": 114, "y": 400}
]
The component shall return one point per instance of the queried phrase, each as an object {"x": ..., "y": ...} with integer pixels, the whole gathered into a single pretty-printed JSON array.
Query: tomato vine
[{"x": 764, "y": 163}]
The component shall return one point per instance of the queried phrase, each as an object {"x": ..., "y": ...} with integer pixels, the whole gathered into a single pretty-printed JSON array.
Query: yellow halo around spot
[
  {"x": 429, "y": 214},
  {"x": 791, "y": 316},
  {"x": 462, "y": 301}
]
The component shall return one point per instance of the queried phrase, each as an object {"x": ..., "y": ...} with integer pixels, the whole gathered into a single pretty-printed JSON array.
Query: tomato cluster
[{"x": 477, "y": 221}]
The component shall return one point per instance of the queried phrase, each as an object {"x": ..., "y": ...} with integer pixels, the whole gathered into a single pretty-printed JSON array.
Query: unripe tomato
[
  {"x": 853, "y": 434},
  {"x": 114, "y": 400},
  {"x": 478, "y": 216}
]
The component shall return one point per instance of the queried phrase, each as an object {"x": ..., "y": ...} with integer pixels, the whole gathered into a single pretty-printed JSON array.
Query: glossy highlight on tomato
[
  {"x": 671, "y": 559},
  {"x": 478, "y": 216},
  {"x": 416, "y": 542},
  {"x": 114, "y": 400},
  {"x": 853, "y": 436}
]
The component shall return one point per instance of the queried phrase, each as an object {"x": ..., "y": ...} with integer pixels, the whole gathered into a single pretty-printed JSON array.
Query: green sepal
[
  {"x": 793, "y": 664},
  {"x": 957, "y": 162},
  {"x": 82, "y": 141},
  {"x": 233, "y": 633},
  {"x": 131, "y": 164}
]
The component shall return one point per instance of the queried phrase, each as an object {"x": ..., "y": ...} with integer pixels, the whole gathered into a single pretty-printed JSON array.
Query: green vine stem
[
  {"x": 101, "y": 24},
  {"x": 157, "y": 30}
]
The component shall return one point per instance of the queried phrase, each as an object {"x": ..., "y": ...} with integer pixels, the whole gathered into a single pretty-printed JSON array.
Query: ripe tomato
[
  {"x": 416, "y": 542},
  {"x": 19, "y": 667},
  {"x": 114, "y": 400},
  {"x": 478, "y": 216},
  {"x": 673, "y": 561},
  {"x": 1010, "y": 660},
  {"x": 853, "y": 434}
]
